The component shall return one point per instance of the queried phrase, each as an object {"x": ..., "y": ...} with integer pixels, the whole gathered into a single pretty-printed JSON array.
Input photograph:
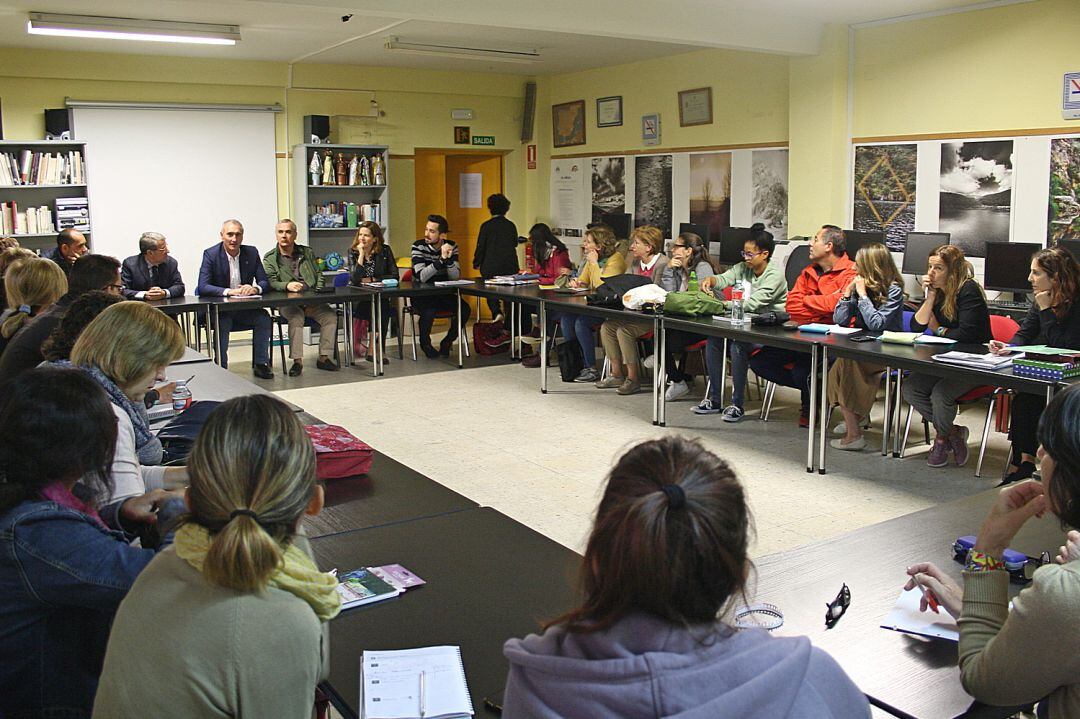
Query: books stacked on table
[{"x": 1049, "y": 363}]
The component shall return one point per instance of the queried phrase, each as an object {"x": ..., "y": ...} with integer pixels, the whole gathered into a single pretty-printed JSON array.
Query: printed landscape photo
[
  {"x": 710, "y": 191},
  {"x": 652, "y": 192},
  {"x": 885, "y": 191},
  {"x": 608, "y": 186},
  {"x": 770, "y": 203},
  {"x": 976, "y": 193},
  {"x": 1064, "y": 204}
]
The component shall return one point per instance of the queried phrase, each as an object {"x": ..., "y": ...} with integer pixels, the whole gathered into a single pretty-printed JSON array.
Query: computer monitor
[
  {"x": 1072, "y": 246},
  {"x": 1007, "y": 266},
  {"x": 732, "y": 240},
  {"x": 701, "y": 231},
  {"x": 917, "y": 250},
  {"x": 619, "y": 222},
  {"x": 855, "y": 240}
]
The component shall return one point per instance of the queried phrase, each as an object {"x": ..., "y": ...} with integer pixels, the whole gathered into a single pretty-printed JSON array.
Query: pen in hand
[{"x": 931, "y": 600}]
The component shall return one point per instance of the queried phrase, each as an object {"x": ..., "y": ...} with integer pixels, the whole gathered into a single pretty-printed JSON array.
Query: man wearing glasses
[
  {"x": 151, "y": 274},
  {"x": 764, "y": 289}
]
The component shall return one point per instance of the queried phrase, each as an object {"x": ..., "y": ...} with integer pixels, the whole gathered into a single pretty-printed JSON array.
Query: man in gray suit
[{"x": 151, "y": 274}]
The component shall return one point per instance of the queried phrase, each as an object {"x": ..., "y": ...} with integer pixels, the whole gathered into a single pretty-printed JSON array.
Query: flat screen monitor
[
  {"x": 732, "y": 240},
  {"x": 856, "y": 239},
  {"x": 701, "y": 231},
  {"x": 619, "y": 222},
  {"x": 1072, "y": 246},
  {"x": 917, "y": 250},
  {"x": 1007, "y": 266}
]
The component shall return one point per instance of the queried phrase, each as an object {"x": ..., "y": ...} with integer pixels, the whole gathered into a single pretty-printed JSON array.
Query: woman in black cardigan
[
  {"x": 1052, "y": 320},
  {"x": 372, "y": 261},
  {"x": 496, "y": 248},
  {"x": 955, "y": 308}
]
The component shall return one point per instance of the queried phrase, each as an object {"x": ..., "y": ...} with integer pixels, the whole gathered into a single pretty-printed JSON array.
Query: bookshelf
[
  {"x": 45, "y": 191},
  {"x": 308, "y": 198}
]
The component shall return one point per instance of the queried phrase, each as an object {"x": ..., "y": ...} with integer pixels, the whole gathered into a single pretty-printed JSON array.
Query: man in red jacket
[{"x": 812, "y": 299}]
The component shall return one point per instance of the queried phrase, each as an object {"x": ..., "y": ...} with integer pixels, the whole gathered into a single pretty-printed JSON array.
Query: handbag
[
  {"x": 570, "y": 360},
  {"x": 772, "y": 318},
  {"x": 692, "y": 303},
  {"x": 337, "y": 452},
  {"x": 178, "y": 436}
]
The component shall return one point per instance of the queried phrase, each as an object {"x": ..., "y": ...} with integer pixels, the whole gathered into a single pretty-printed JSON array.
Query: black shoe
[
  {"x": 385, "y": 360},
  {"x": 296, "y": 369},
  {"x": 327, "y": 364},
  {"x": 444, "y": 348},
  {"x": 262, "y": 371},
  {"x": 430, "y": 351},
  {"x": 1022, "y": 472}
]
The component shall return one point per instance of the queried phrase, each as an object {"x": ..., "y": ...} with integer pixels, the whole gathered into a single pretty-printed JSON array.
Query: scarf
[
  {"x": 147, "y": 445},
  {"x": 57, "y": 492},
  {"x": 297, "y": 574}
]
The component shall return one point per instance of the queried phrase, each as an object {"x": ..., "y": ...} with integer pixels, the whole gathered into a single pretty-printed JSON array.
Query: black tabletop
[
  {"x": 175, "y": 305},
  {"x": 529, "y": 294},
  {"x": 489, "y": 578},
  {"x": 769, "y": 336},
  {"x": 407, "y": 289},
  {"x": 281, "y": 299},
  {"x": 910, "y": 674},
  {"x": 389, "y": 492},
  {"x": 190, "y": 355}
]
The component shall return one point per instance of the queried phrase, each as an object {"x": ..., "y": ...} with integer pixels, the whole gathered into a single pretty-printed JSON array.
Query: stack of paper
[
  {"x": 906, "y": 617},
  {"x": 980, "y": 361}
]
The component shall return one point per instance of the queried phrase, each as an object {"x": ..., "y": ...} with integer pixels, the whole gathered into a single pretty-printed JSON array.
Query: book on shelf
[
  {"x": 424, "y": 682},
  {"x": 31, "y": 221},
  {"x": 30, "y": 168},
  {"x": 335, "y": 215}
]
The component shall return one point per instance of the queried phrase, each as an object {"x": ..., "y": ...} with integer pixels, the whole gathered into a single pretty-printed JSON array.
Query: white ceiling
[{"x": 569, "y": 34}]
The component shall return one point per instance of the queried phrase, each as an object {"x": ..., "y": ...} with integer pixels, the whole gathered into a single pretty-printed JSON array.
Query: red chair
[
  {"x": 407, "y": 309},
  {"x": 1002, "y": 329}
]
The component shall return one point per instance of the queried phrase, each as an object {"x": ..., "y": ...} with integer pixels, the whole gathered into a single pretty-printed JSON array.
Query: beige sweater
[
  {"x": 1012, "y": 658},
  {"x": 183, "y": 647}
]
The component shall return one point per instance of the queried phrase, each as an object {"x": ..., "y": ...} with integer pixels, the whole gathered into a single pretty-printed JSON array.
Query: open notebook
[{"x": 427, "y": 682}]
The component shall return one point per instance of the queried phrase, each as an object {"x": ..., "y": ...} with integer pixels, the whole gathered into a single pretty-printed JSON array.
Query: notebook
[
  {"x": 160, "y": 411},
  {"x": 426, "y": 682},
  {"x": 906, "y": 617}
]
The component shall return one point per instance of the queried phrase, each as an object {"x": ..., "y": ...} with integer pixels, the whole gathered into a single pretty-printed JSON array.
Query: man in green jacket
[
  {"x": 292, "y": 268},
  {"x": 765, "y": 289}
]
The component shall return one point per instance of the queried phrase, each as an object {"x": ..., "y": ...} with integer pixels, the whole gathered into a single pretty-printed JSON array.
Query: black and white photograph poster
[
  {"x": 710, "y": 190},
  {"x": 770, "y": 199},
  {"x": 608, "y": 186},
  {"x": 652, "y": 192},
  {"x": 976, "y": 193}
]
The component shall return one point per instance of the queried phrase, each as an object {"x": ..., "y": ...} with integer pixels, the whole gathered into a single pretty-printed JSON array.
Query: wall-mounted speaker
[
  {"x": 58, "y": 125},
  {"x": 528, "y": 112},
  {"x": 317, "y": 129}
]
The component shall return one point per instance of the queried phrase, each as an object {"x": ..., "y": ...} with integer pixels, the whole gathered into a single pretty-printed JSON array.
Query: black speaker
[
  {"x": 58, "y": 125},
  {"x": 528, "y": 112},
  {"x": 317, "y": 129}
]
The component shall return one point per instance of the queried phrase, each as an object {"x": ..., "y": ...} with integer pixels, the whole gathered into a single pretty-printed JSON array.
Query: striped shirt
[{"x": 429, "y": 266}]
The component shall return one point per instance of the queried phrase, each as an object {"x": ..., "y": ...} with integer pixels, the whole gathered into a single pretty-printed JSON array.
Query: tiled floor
[{"x": 487, "y": 432}]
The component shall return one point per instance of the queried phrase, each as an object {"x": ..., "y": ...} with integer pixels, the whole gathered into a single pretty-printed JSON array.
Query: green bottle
[{"x": 692, "y": 285}]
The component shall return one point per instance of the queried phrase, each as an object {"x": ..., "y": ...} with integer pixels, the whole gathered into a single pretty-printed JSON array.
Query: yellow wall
[
  {"x": 417, "y": 106},
  {"x": 997, "y": 69}
]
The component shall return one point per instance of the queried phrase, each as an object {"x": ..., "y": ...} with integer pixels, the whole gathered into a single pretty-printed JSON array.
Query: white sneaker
[
  {"x": 676, "y": 390},
  {"x": 650, "y": 362}
]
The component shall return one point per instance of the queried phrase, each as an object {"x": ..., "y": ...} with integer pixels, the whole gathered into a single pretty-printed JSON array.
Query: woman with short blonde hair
[
  {"x": 30, "y": 286},
  {"x": 239, "y": 567},
  {"x": 874, "y": 300},
  {"x": 126, "y": 349}
]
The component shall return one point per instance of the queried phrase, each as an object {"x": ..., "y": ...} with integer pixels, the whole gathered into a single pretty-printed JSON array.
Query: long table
[
  {"x": 210, "y": 381},
  {"x": 906, "y": 675},
  {"x": 489, "y": 578}
]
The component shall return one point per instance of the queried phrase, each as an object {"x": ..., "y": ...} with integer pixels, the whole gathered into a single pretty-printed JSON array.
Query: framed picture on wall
[
  {"x": 695, "y": 107},
  {"x": 568, "y": 124},
  {"x": 609, "y": 111},
  {"x": 650, "y": 129}
]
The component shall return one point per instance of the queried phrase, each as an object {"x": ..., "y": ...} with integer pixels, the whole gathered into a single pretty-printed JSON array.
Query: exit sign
[{"x": 483, "y": 140}]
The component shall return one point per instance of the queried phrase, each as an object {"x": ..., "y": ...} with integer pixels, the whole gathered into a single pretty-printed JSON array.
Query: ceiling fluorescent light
[
  {"x": 122, "y": 28},
  {"x": 463, "y": 52}
]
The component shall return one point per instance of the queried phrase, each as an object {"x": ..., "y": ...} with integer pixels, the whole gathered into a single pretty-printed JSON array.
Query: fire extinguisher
[{"x": 530, "y": 261}]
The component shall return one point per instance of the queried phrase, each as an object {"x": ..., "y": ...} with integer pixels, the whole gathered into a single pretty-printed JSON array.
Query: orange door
[{"x": 469, "y": 181}]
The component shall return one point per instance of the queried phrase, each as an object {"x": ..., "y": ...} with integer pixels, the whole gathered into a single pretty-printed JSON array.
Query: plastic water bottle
[
  {"x": 181, "y": 396},
  {"x": 738, "y": 318},
  {"x": 692, "y": 284}
]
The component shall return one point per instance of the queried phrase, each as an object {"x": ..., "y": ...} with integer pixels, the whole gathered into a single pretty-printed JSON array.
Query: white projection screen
[{"x": 180, "y": 173}]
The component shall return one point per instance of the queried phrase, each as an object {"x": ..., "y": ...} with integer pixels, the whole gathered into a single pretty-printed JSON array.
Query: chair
[
  {"x": 1002, "y": 329},
  {"x": 797, "y": 261},
  {"x": 408, "y": 309}
]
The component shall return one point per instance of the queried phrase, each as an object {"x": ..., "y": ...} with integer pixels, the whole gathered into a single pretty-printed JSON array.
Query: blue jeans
[
  {"x": 255, "y": 320},
  {"x": 581, "y": 328},
  {"x": 740, "y": 363}
]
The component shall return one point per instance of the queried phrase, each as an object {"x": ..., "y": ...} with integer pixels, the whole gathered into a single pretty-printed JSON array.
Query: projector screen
[{"x": 180, "y": 173}]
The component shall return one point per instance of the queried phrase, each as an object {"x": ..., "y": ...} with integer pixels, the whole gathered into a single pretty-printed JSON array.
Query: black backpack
[
  {"x": 178, "y": 436},
  {"x": 571, "y": 361}
]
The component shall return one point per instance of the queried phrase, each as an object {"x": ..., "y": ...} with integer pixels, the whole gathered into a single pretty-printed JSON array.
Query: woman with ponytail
[
  {"x": 30, "y": 286},
  {"x": 62, "y": 572},
  {"x": 237, "y": 603},
  {"x": 667, "y": 553}
]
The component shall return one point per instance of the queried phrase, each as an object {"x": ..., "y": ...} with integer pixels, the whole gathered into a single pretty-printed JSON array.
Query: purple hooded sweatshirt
[{"x": 644, "y": 666}]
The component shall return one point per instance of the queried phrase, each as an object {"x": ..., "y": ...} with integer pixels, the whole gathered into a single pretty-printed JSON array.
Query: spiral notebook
[{"x": 425, "y": 682}]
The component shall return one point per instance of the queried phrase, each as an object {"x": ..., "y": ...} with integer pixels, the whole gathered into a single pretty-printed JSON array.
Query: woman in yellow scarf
[{"x": 236, "y": 608}]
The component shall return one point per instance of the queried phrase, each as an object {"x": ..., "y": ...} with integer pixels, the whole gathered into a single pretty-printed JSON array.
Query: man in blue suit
[{"x": 232, "y": 270}]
